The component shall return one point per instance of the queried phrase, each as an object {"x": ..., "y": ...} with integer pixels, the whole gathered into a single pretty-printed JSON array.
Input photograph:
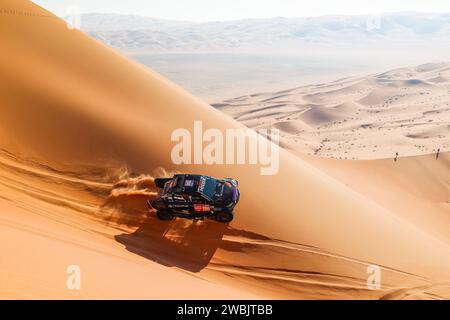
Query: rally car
[{"x": 196, "y": 197}]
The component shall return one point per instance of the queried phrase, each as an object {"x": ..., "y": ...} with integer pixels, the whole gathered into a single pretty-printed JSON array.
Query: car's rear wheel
[
  {"x": 224, "y": 216},
  {"x": 164, "y": 215}
]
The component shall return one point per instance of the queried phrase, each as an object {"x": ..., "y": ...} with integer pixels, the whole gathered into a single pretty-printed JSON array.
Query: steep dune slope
[
  {"x": 83, "y": 130},
  {"x": 421, "y": 186}
]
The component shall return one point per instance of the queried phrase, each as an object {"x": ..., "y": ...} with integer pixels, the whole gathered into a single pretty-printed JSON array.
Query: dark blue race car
[{"x": 193, "y": 196}]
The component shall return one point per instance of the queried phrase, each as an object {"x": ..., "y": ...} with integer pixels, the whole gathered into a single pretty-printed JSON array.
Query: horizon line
[{"x": 268, "y": 18}]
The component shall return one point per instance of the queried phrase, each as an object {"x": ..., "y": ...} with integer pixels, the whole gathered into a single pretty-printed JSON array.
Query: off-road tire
[
  {"x": 224, "y": 216},
  {"x": 164, "y": 215}
]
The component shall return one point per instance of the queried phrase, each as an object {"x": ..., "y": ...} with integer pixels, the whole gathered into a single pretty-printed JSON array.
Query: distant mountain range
[{"x": 132, "y": 32}]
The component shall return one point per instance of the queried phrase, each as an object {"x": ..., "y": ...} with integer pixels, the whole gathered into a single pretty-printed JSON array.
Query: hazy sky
[{"x": 208, "y": 10}]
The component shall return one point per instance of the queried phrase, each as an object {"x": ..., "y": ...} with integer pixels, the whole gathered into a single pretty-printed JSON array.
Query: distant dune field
[
  {"x": 404, "y": 110},
  {"x": 131, "y": 32},
  {"x": 83, "y": 132},
  {"x": 225, "y": 59}
]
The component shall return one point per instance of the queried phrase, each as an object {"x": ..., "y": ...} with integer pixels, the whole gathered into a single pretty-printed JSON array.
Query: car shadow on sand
[
  {"x": 185, "y": 244},
  {"x": 181, "y": 243}
]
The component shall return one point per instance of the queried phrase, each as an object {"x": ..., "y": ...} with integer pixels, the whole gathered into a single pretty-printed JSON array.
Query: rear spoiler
[{"x": 160, "y": 182}]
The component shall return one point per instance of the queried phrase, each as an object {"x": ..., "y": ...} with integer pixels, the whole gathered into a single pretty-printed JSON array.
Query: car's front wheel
[
  {"x": 164, "y": 215},
  {"x": 224, "y": 216}
]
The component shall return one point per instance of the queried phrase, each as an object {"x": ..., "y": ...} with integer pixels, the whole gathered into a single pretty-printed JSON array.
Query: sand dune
[
  {"x": 404, "y": 110},
  {"x": 420, "y": 185},
  {"x": 84, "y": 131},
  {"x": 130, "y": 32}
]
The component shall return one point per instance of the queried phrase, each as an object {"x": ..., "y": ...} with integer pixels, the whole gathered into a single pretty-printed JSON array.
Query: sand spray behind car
[
  {"x": 127, "y": 198},
  {"x": 112, "y": 192}
]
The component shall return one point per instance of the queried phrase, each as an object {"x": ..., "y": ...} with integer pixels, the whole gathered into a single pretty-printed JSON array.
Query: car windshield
[{"x": 207, "y": 187}]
